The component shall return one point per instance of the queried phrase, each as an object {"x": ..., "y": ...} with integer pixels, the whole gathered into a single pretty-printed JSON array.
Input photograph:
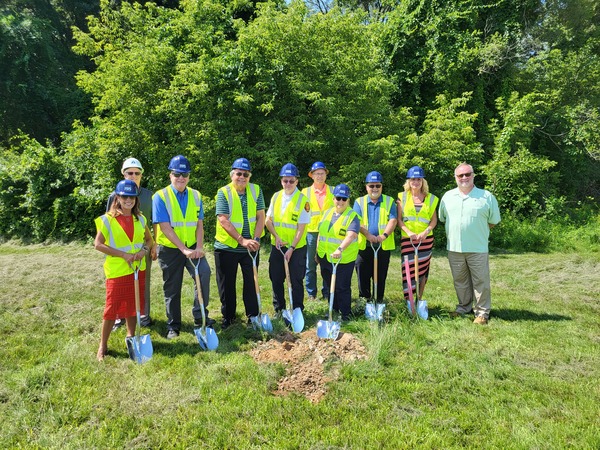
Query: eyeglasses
[
  {"x": 288, "y": 181},
  {"x": 131, "y": 174},
  {"x": 341, "y": 199},
  {"x": 464, "y": 175},
  {"x": 179, "y": 175},
  {"x": 242, "y": 174},
  {"x": 373, "y": 186}
]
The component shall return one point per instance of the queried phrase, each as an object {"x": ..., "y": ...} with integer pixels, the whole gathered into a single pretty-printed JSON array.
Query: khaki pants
[{"x": 471, "y": 275}]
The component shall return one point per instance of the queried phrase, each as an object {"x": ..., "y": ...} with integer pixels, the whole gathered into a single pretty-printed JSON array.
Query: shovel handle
[{"x": 286, "y": 265}]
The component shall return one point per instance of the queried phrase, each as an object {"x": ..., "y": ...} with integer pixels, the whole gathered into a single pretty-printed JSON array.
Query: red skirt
[{"x": 120, "y": 296}]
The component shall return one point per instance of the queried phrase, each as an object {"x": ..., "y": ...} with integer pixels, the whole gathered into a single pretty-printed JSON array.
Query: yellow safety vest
[
  {"x": 184, "y": 226},
  {"x": 236, "y": 216},
  {"x": 316, "y": 213},
  {"x": 417, "y": 222},
  {"x": 384, "y": 217},
  {"x": 287, "y": 225},
  {"x": 330, "y": 238},
  {"x": 115, "y": 237}
]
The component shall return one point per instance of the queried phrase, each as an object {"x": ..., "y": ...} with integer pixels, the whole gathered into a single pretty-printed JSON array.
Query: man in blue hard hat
[
  {"x": 132, "y": 170},
  {"x": 240, "y": 210},
  {"x": 287, "y": 217},
  {"x": 320, "y": 198},
  {"x": 378, "y": 220},
  {"x": 179, "y": 213}
]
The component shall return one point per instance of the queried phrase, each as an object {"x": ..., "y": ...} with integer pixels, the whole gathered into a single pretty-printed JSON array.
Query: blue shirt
[
  {"x": 159, "y": 209},
  {"x": 373, "y": 213}
]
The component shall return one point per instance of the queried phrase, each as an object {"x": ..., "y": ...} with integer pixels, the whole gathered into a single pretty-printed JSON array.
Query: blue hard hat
[
  {"x": 180, "y": 164},
  {"x": 127, "y": 188},
  {"x": 289, "y": 170},
  {"x": 241, "y": 163},
  {"x": 415, "y": 172},
  {"x": 374, "y": 177},
  {"x": 316, "y": 166},
  {"x": 341, "y": 190}
]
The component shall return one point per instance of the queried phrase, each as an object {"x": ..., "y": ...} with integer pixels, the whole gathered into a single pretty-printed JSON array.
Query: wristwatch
[
  {"x": 340, "y": 249},
  {"x": 386, "y": 235},
  {"x": 292, "y": 247}
]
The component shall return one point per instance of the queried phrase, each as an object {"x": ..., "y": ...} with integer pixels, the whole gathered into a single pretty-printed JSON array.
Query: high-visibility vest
[
  {"x": 316, "y": 212},
  {"x": 183, "y": 226},
  {"x": 236, "y": 216},
  {"x": 384, "y": 217},
  {"x": 417, "y": 222},
  {"x": 286, "y": 225},
  {"x": 331, "y": 238},
  {"x": 115, "y": 237}
]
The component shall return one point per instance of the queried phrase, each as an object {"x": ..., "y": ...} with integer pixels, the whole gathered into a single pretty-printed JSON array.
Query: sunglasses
[
  {"x": 373, "y": 186},
  {"x": 242, "y": 174},
  {"x": 288, "y": 181},
  {"x": 137, "y": 174},
  {"x": 179, "y": 175},
  {"x": 464, "y": 175},
  {"x": 341, "y": 199}
]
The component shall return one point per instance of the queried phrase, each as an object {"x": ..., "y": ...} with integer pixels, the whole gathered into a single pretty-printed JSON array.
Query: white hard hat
[{"x": 131, "y": 162}]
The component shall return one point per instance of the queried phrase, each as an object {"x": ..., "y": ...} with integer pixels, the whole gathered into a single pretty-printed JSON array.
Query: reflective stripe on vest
[
  {"x": 184, "y": 223},
  {"x": 115, "y": 236},
  {"x": 384, "y": 218},
  {"x": 288, "y": 225},
  {"x": 417, "y": 222},
  {"x": 330, "y": 238}
]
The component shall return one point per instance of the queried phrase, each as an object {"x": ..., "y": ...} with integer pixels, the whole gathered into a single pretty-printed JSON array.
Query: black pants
[
  {"x": 172, "y": 262},
  {"x": 364, "y": 271},
  {"x": 297, "y": 265},
  {"x": 226, "y": 266},
  {"x": 343, "y": 286}
]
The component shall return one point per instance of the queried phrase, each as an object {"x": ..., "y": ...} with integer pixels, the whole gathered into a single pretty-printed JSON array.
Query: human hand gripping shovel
[
  {"x": 139, "y": 347},
  {"x": 293, "y": 316},
  {"x": 411, "y": 302},
  {"x": 374, "y": 311},
  {"x": 261, "y": 321},
  {"x": 328, "y": 329},
  {"x": 422, "y": 310},
  {"x": 206, "y": 336}
]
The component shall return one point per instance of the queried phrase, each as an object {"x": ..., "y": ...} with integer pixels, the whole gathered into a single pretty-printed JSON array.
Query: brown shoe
[{"x": 480, "y": 320}]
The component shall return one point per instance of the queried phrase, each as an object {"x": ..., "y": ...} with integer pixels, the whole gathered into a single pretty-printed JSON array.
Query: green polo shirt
[{"x": 467, "y": 219}]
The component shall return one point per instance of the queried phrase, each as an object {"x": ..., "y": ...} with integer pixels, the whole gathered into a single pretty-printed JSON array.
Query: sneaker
[
  {"x": 480, "y": 320},
  {"x": 146, "y": 321},
  {"x": 172, "y": 334},
  {"x": 118, "y": 324},
  {"x": 209, "y": 322},
  {"x": 226, "y": 323}
]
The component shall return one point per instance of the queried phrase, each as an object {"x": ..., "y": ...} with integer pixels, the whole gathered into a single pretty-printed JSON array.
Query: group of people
[{"x": 315, "y": 226}]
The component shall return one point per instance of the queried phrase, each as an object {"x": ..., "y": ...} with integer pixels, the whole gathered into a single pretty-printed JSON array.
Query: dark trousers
[
  {"x": 343, "y": 285},
  {"x": 365, "y": 264},
  {"x": 297, "y": 265},
  {"x": 172, "y": 262},
  {"x": 226, "y": 266}
]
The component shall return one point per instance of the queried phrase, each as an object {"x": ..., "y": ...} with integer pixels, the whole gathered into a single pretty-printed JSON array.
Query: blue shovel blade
[
  {"x": 297, "y": 320},
  {"x": 422, "y": 309},
  {"x": 139, "y": 350},
  {"x": 265, "y": 323},
  {"x": 328, "y": 330},
  {"x": 371, "y": 311},
  {"x": 207, "y": 339}
]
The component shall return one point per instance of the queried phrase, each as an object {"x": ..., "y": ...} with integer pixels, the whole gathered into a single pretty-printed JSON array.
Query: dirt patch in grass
[{"x": 310, "y": 363}]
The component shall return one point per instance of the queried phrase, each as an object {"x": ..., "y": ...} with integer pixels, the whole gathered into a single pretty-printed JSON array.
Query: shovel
[
  {"x": 139, "y": 347},
  {"x": 207, "y": 337},
  {"x": 374, "y": 311},
  {"x": 328, "y": 329},
  {"x": 422, "y": 310},
  {"x": 411, "y": 302},
  {"x": 293, "y": 316},
  {"x": 261, "y": 320}
]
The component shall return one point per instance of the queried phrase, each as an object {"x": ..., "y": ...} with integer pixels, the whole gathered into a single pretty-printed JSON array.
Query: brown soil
[{"x": 305, "y": 358}]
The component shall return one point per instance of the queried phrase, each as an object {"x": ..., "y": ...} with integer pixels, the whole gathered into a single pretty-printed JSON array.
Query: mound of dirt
[{"x": 305, "y": 357}]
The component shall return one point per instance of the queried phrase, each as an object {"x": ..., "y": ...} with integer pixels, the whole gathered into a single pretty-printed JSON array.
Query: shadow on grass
[{"x": 513, "y": 315}]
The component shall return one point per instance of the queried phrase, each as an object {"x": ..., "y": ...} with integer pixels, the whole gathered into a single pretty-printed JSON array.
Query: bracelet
[
  {"x": 240, "y": 237},
  {"x": 292, "y": 247}
]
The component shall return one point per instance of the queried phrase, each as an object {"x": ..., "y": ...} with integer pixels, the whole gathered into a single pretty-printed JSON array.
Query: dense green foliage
[{"x": 512, "y": 87}]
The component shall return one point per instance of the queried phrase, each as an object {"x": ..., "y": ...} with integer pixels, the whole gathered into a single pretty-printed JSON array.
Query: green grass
[{"x": 527, "y": 380}]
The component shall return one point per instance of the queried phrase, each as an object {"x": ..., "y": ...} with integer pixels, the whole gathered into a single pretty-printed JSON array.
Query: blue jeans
[{"x": 311, "y": 267}]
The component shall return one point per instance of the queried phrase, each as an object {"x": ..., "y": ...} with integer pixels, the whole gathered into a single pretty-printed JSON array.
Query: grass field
[{"x": 527, "y": 380}]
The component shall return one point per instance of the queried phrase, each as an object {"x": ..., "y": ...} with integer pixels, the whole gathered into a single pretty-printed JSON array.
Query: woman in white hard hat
[{"x": 132, "y": 170}]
